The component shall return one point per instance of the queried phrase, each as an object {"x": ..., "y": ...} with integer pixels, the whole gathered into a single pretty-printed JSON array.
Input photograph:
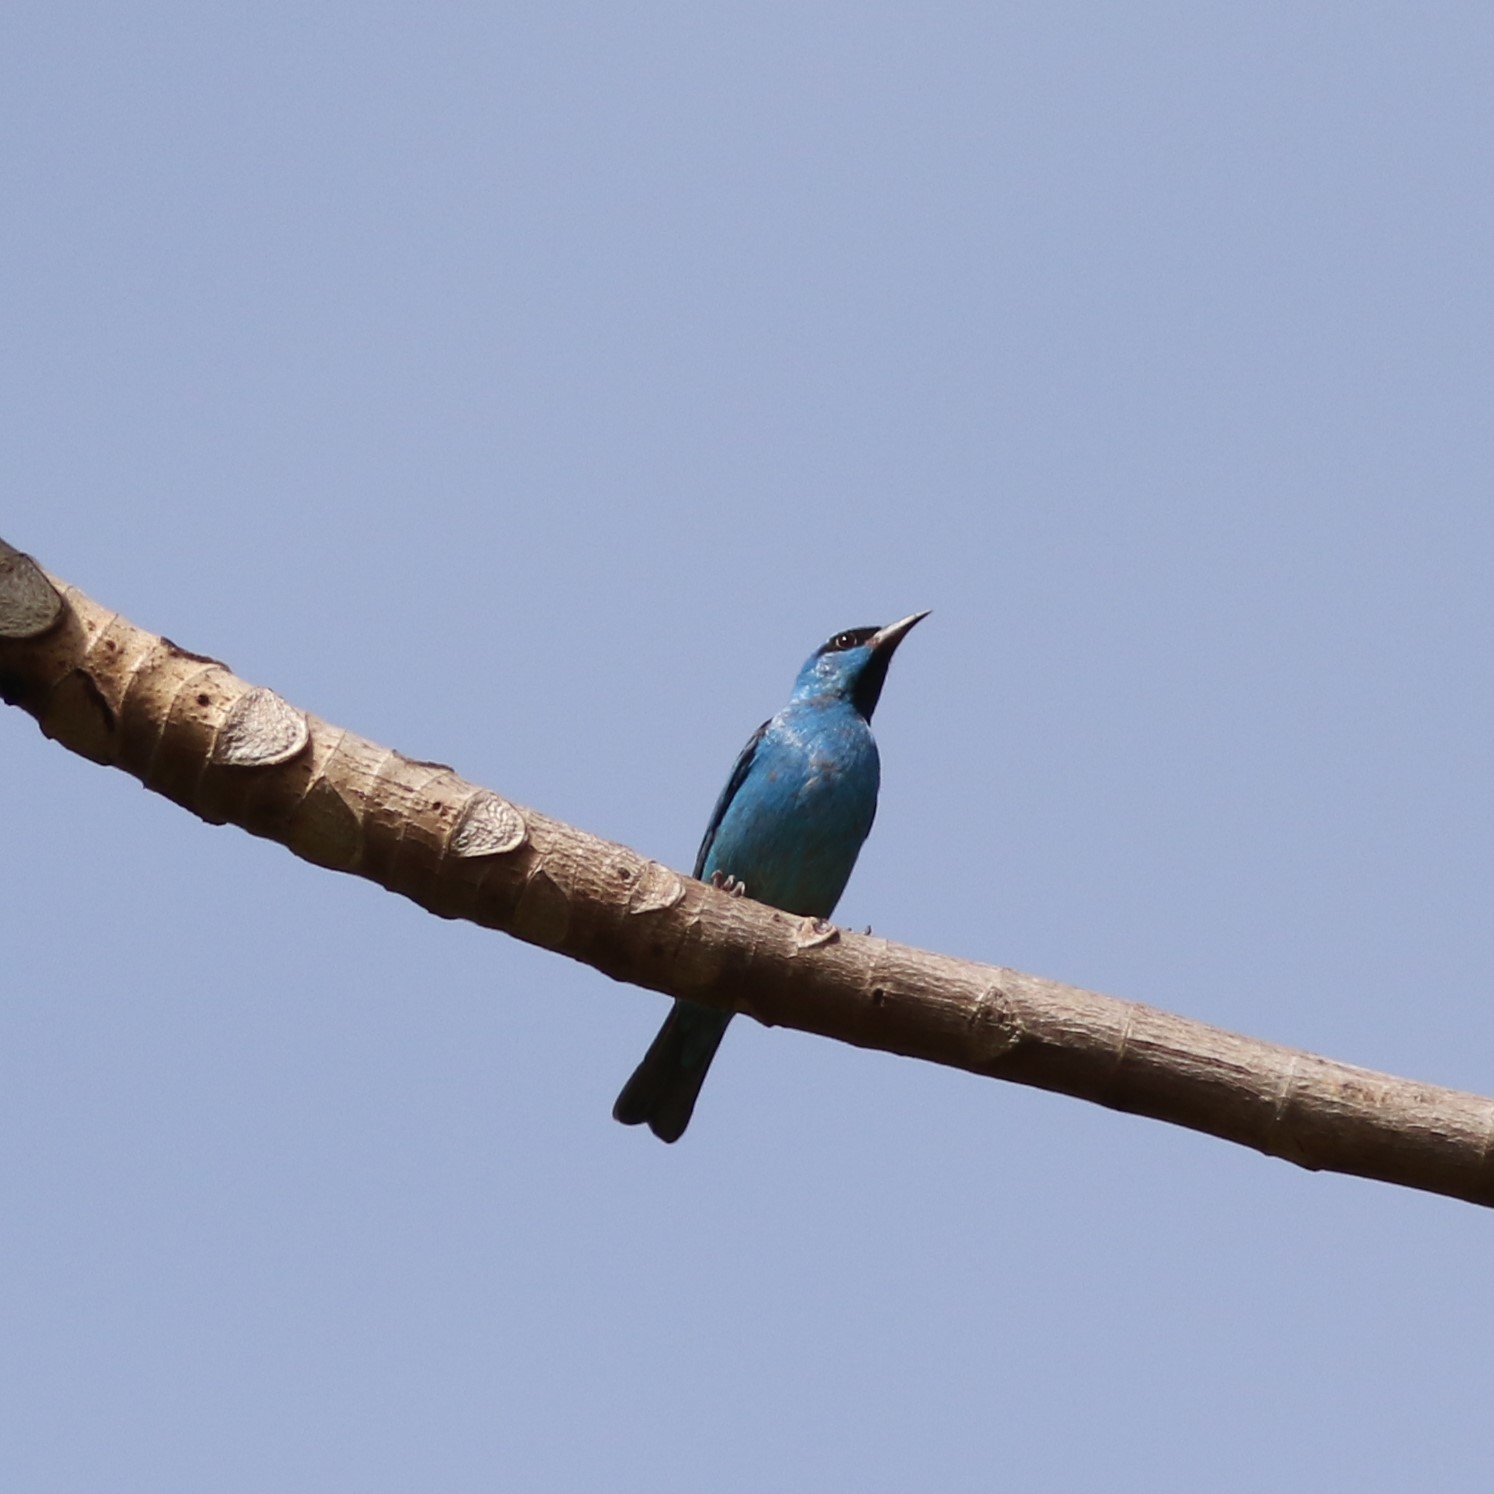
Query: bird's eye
[{"x": 851, "y": 638}]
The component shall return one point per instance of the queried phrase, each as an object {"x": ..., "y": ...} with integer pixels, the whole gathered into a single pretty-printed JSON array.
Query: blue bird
[{"x": 786, "y": 831}]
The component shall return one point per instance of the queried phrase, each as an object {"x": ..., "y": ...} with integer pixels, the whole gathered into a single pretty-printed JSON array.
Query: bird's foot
[
  {"x": 728, "y": 884},
  {"x": 813, "y": 932}
]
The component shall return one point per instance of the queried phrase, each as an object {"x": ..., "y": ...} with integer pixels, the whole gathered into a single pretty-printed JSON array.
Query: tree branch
[{"x": 235, "y": 754}]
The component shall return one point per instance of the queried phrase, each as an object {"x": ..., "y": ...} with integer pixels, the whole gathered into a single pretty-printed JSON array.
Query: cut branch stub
[
  {"x": 261, "y": 731},
  {"x": 489, "y": 826},
  {"x": 657, "y": 890},
  {"x": 29, "y": 603}
]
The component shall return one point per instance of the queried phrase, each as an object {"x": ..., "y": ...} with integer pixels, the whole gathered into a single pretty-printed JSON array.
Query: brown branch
[{"x": 231, "y": 753}]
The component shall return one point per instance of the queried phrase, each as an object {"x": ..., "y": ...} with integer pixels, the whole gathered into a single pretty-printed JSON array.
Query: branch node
[
  {"x": 1279, "y": 1139},
  {"x": 994, "y": 1027},
  {"x": 79, "y": 713}
]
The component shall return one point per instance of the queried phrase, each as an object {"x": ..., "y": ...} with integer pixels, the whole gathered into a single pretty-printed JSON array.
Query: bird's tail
[{"x": 664, "y": 1087}]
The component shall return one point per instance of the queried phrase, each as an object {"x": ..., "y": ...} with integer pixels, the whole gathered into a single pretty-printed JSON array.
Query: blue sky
[{"x": 531, "y": 388}]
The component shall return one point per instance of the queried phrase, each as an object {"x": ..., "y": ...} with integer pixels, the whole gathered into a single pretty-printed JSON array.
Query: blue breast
[{"x": 793, "y": 828}]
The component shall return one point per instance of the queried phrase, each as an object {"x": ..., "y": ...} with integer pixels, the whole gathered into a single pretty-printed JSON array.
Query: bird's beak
[{"x": 884, "y": 640}]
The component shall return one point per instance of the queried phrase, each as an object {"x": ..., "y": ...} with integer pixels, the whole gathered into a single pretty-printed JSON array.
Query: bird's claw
[{"x": 728, "y": 884}]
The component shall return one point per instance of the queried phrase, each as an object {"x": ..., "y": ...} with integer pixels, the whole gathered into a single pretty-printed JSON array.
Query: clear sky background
[{"x": 531, "y": 387}]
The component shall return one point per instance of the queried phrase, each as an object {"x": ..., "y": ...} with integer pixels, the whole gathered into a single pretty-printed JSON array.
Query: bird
[{"x": 786, "y": 831}]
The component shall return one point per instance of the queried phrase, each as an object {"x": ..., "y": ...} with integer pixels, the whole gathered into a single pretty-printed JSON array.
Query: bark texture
[{"x": 234, "y": 753}]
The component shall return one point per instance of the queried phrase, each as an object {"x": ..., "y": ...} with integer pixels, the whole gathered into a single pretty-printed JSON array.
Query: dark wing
[{"x": 739, "y": 772}]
